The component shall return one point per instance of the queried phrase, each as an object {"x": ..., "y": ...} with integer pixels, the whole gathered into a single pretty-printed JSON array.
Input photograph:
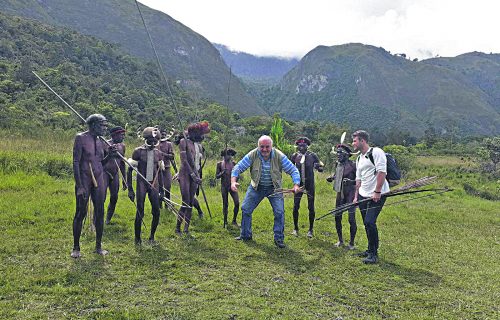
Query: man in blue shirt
[{"x": 266, "y": 164}]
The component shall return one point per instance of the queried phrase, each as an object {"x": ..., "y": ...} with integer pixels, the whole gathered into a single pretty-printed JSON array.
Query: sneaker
[
  {"x": 371, "y": 259},
  {"x": 339, "y": 244},
  {"x": 279, "y": 244},
  {"x": 310, "y": 234},
  {"x": 75, "y": 254},
  {"x": 295, "y": 233},
  {"x": 101, "y": 252},
  {"x": 240, "y": 238},
  {"x": 363, "y": 254}
]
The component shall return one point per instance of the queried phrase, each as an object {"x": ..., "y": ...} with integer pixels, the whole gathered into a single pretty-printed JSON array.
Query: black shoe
[
  {"x": 279, "y": 244},
  {"x": 371, "y": 259},
  {"x": 363, "y": 254},
  {"x": 240, "y": 238}
]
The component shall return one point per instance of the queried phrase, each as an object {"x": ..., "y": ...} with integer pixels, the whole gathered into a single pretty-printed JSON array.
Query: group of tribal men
[{"x": 97, "y": 164}]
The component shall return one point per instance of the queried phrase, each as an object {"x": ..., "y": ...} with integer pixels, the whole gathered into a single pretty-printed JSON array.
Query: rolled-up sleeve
[
  {"x": 380, "y": 160},
  {"x": 241, "y": 166},
  {"x": 290, "y": 169}
]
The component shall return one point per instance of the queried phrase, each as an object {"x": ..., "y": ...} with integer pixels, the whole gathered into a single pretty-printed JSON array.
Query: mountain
[
  {"x": 90, "y": 74},
  {"x": 480, "y": 69},
  {"x": 367, "y": 87},
  {"x": 187, "y": 57},
  {"x": 252, "y": 67}
]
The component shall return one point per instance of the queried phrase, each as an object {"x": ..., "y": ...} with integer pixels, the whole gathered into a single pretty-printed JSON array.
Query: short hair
[
  {"x": 264, "y": 137},
  {"x": 361, "y": 134}
]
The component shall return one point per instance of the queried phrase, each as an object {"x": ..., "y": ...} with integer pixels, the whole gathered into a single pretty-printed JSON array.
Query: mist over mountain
[
  {"x": 252, "y": 67},
  {"x": 368, "y": 87},
  {"x": 188, "y": 58}
]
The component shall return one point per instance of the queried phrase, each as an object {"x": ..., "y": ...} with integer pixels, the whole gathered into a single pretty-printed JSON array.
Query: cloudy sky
[{"x": 291, "y": 28}]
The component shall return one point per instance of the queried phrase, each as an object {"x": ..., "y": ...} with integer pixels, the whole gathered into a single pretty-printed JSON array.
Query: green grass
[{"x": 439, "y": 259}]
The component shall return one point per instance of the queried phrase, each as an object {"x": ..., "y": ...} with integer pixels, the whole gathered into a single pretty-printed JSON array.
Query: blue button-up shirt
[{"x": 265, "y": 177}]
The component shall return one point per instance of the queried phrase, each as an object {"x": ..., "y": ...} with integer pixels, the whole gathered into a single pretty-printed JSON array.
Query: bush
[{"x": 403, "y": 156}]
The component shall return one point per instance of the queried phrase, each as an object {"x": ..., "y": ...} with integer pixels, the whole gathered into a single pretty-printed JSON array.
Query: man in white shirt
[{"x": 371, "y": 170}]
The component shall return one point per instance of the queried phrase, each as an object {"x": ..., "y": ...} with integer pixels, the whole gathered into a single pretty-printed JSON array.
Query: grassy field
[{"x": 439, "y": 255}]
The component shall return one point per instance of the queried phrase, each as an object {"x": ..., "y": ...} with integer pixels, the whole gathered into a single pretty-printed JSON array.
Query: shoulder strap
[{"x": 370, "y": 155}]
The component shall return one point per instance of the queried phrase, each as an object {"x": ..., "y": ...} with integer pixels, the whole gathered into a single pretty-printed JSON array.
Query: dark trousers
[
  {"x": 310, "y": 206},
  {"x": 370, "y": 211}
]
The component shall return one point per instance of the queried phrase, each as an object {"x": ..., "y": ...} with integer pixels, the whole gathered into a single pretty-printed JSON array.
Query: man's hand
[
  {"x": 234, "y": 186},
  {"x": 131, "y": 195},
  {"x": 297, "y": 189},
  {"x": 355, "y": 200},
  {"x": 376, "y": 196},
  {"x": 81, "y": 192},
  {"x": 113, "y": 149},
  {"x": 195, "y": 178},
  {"x": 330, "y": 178}
]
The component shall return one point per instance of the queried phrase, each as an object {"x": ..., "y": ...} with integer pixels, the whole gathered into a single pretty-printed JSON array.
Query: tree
[{"x": 492, "y": 145}]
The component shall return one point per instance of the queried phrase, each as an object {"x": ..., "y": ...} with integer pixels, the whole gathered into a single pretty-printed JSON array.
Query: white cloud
[{"x": 292, "y": 28}]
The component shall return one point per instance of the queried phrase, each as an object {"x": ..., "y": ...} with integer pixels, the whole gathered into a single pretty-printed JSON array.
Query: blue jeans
[{"x": 252, "y": 199}]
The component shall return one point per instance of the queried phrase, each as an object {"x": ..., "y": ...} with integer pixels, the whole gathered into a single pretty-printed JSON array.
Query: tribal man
[
  {"x": 191, "y": 152},
  {"x": 167, "y": 151},
  {"x": 88, "y": 152},
  {"x": 149, "y": 162},
  {"x": 224, "y": 169},
  {"x": 112, "y": 164},
  {"x": 306, "y": 162},
  {"x": 344, "y": 183}
]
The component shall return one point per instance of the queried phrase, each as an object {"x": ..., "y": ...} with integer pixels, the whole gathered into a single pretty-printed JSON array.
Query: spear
[
  {"x": 167, "y": 201},
  {"x": 164, "y": 78}
]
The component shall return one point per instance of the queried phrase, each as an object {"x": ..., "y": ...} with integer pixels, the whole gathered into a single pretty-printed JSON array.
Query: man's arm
[
  {"x": 77, "y": 155},
  {"x": 238, "y": 169}
]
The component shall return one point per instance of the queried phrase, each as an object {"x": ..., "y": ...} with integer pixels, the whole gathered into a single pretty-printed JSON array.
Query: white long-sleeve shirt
[{"x": 365, "y": 171}]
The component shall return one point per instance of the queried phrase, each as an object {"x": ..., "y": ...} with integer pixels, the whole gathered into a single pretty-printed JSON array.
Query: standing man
[
  {"x": 344, "y": 181},
  {"x": 266, "y": 165},
  {"x": 370, "y": 184},
  {"x": 88, "y": 152},
  {"x": 167, "y": 151},
  {"x": 224, "y": 169},
  {"x": 191, "y": 152},
  {"x": 148, "y": 160},
  {"x": 306, "y": 162},
  {"x": 112, "y": 164}
]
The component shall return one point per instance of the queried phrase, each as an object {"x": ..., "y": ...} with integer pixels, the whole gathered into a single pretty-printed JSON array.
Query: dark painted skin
[
  {"x": 311, "y": 162},
  {"x": 88, "y": 151},
  {"x": 189, "y": 181},
  {"x": 167, "y": 151},
  {"x": 143, "y": 188},
  {"x": 223, "y": 173},
  {"x": 347, "y": 195},
  {"x": 112, "y": 164}
]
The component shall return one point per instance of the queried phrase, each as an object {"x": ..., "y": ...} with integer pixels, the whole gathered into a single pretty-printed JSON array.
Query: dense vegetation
[
  {"x": 188, "y": 57},
  {"x": 367, "y": 86}
]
